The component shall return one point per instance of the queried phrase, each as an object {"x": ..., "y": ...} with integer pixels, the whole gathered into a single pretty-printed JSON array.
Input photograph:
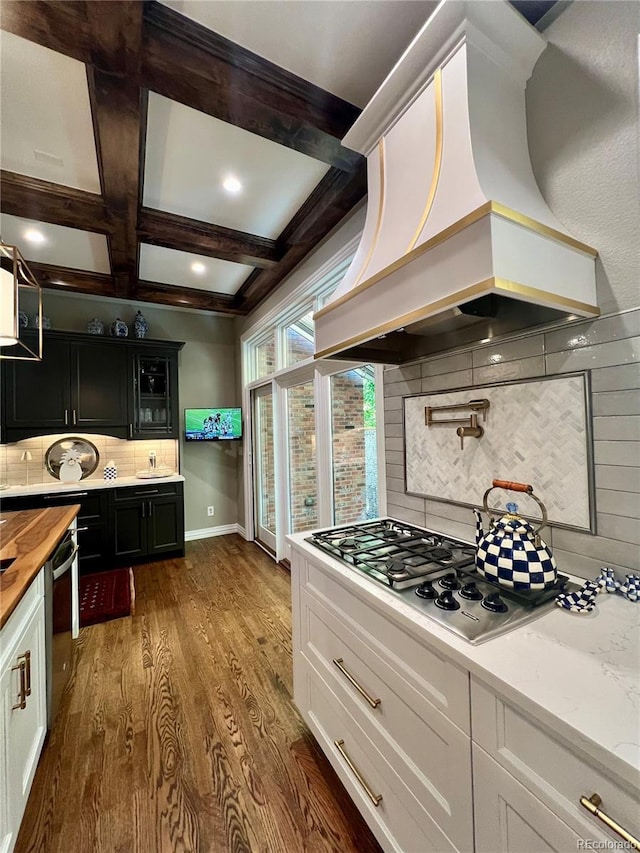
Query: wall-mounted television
[{"x": 212, "y": 424}]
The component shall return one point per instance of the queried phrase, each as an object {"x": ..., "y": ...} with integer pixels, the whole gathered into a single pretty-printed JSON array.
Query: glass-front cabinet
[{"x": 155, "y": 394}]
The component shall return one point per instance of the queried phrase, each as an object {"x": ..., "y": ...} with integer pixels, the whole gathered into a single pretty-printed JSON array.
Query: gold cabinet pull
[
  {"x": 376, "y": 799},
  {"x": 27, "y": 661},
  {"x": 339, "y": 662},
  {"x": 75, "y": 417},
  {"x": 592, "y": 804},
  {"x": 22, "y": 696}
]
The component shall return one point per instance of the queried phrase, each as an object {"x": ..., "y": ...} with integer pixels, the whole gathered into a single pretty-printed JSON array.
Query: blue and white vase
[
  {"x": 119, "y": 329},
  {"x": 140, "y": 326},
  {"x": 23, "y": 319},
  {"x": 46, "y": 322},
  {"x": 95, "y": 327}
]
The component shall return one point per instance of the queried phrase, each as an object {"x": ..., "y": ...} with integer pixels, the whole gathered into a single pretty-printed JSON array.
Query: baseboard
[
  {"x": 208, "y": 532},
  {"x": 242, "y": 531}
]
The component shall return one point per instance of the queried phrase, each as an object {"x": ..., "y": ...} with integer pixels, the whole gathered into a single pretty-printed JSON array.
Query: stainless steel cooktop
[{"x": 436, "y": 575}]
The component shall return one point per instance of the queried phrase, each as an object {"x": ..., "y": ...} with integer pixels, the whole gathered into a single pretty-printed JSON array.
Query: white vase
[{"x": 70, "y": 472}]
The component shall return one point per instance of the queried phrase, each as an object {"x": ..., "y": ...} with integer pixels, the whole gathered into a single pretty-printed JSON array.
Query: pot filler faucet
[{"x": 469, "y": 427}]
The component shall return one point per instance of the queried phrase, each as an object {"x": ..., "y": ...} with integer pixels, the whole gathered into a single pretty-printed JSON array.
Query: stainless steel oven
[{"x": 58, "y": 612}]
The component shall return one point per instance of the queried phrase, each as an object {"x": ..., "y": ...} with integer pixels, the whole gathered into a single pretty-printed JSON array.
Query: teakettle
[{"x": 512, "y": 553}]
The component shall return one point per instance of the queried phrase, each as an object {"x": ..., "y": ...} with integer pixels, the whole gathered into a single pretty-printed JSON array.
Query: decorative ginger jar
[
  {"x": 95, "y": 326},
  {"x": 140, "y": 326},
  {"x": 119, "y": 329}
]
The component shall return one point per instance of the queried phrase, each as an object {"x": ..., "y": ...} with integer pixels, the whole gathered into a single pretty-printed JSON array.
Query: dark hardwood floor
[{"x": 178, "y": 731}]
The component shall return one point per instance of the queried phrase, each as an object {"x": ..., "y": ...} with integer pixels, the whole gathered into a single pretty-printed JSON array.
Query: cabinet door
[
  {"x": 24, "y": 727},
  {"x": 165, "y": 523},
  {"x": 99, "y": 387},
  {"x": 129, "y": 528},
  {"x": 510, "y": 819},
  {"x": 155, "y": 394},
  {"x": 37, "y": 399}
]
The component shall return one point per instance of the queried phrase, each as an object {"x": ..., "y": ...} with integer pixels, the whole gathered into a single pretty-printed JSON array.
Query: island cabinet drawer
[
  {"x": 397, "y": 817},
  {"x": 406, "y": 651},
  {"x": 429, "y": 752},
  {"x": 555, "y": 771}
]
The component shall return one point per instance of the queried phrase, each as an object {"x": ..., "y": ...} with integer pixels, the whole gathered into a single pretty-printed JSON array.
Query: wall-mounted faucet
[{"x": 469, "y": 427}]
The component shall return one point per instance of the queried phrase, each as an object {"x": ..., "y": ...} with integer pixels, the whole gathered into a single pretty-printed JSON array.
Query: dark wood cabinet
[
  {"x": 121, "y": 525},
  {"x": 99, "y": 387},
  {"x": 37, "y": 397},
  {"x": 92, "y": 521},
  {"x": 155, "y": 393},
  {"x": 94, "y": 385},
  {"x": 147, "y": 521}
]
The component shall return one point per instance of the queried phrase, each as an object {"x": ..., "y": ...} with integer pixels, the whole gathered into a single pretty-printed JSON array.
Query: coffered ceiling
[{"x": 187, "y": 152}]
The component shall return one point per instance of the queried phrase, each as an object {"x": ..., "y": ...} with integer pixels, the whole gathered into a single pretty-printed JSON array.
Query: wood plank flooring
[{"x": 178, "y": 734}]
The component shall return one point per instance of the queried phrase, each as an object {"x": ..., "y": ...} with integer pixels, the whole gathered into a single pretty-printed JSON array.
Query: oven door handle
[{"x": 64, "y": 567}]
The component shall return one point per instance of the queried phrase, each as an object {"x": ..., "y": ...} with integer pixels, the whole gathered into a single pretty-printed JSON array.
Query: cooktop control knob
[
  {"x": 449, "y": 581},
  {"x": 494, "y": 603},
  {"x": 426, "y": 590},
  {"x": 471, "y": 592},
  {"x": 446, "y": 601}
]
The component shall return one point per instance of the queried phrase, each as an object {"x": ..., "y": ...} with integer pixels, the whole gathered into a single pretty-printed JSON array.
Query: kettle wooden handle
[{"x": 513, "y": 487}]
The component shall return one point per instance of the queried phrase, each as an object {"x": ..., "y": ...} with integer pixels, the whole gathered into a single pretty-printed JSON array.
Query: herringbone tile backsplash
[{"x": 534, "y": 432}]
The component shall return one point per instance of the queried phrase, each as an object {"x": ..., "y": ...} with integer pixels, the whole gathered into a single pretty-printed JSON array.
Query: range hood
[{"x": 458, "y": 244}]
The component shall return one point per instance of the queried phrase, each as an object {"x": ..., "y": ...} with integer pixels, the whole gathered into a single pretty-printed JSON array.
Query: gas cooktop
[{"x": 436, "y": 574}]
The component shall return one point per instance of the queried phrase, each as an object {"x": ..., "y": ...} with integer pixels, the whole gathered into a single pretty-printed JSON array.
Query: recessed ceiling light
[
  {"x": 34, "y": 236},
  {"x": 232, "y": 184},
  {"x": 198, "y": 268}
]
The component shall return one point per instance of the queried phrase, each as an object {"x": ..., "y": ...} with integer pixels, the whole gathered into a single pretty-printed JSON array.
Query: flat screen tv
[{"x": 212, "y": 424}]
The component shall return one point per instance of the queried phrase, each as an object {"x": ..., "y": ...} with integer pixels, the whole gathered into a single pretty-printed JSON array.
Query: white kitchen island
[{"x": 486, "y": 747}]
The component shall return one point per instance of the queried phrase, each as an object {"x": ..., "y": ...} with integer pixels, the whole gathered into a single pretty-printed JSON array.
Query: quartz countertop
[
  {"x": 56, "y": 487},
  {"x": 29, "y": 538},
  {"x": 577, "y": 674}
]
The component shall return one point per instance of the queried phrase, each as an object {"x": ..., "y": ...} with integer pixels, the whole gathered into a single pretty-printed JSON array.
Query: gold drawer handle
[
  {"x": 592, "y": 804},
  {"x": 376, "y": 799},
  {"x": 22, "y": 696},
  {"x": 339, "y": 662}
]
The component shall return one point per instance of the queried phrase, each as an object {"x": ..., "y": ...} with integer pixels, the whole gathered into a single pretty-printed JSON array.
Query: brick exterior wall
[
  {"x": 298, "y": 347},
  {"x": 303, "y": 485},
  {"x": 348, "y": 447}
]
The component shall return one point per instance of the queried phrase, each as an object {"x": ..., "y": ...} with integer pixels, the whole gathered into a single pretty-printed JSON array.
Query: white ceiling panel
[
  {"x": 189, "y": 155},
  {"x": 169, "y": 266},
  {"x": 344, "y": 46},
  {"x": 65, "y": 247},
  {"x": 46, "y": 116}
]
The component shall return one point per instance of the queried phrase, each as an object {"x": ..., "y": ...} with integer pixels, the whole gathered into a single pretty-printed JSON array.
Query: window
[
  {"x": 299, "y": 337},
  {"x": 354, "y": 446},
  {"x": 265, "y": 356}
]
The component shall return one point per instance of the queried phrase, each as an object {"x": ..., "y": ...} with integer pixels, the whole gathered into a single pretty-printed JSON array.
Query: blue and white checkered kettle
[{"x": 512, "y": 553}]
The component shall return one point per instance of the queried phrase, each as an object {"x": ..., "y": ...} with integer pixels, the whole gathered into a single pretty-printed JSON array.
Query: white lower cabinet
[
  {"x": 390, "y": 713},
  {"x": 509, "y": 819},
  {"x": 396, "y": 719},
  {"x": 23, "y": 714}
]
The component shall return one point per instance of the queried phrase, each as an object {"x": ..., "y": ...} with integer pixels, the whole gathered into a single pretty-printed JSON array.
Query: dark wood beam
[
  {"x": 190, "y": 235},
  {"x": 189, "y": 63},
  {"x": 327, "y": 205},
  {"x": 58, "y": 24},
  {"x": 186, "y": 297},
  {"x": 73, "y": 281},
  {"x": 21, "y": 195},
  {"x": 113, "y": 75}
]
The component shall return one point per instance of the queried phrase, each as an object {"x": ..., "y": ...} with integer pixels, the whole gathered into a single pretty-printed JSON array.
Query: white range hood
[{"x": 458, "y": 243}]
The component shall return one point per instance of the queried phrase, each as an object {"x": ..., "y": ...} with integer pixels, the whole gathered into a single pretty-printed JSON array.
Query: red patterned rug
[{"x": 105, "y": 596}]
